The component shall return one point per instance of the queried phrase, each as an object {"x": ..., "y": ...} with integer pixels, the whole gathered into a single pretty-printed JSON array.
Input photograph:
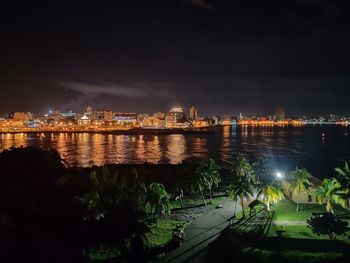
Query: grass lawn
[
  {"x": 163, "y": 233},
  {"x": 304, "y": 232},
  {"x": 192, "y": 202},
  {"x": 262, "y": 255},
  {"x": 294, "y": 232},
  {"x": 103, "y": 253},
  {"x": 157, "y": 236},
  {"x": 279, "y": 250},
  {"x": 286, "y": 210}
]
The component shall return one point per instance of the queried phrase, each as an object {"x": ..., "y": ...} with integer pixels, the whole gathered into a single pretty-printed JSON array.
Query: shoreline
[
  {"x": 133, "y": 131},
  {"x": 160, "y": 131}
]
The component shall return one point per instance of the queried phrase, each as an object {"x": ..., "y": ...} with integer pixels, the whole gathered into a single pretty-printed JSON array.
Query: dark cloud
[{"x": 200, "y": 4}]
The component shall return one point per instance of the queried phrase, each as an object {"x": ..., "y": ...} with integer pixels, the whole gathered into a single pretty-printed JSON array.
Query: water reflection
[
  {"x": 286, "y": 146},
  {"x": 175, "y": 148},
  {"x": 228, "y": 133}
]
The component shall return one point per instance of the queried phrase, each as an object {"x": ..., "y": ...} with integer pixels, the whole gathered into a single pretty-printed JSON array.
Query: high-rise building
[
  {"x": 193, "y": 113},
  {"x": 279, "y": 114},
  {"x": 175, "y": 116}
]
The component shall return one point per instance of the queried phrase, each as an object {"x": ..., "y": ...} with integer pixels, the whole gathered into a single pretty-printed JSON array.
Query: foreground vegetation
[
  {"x": 102, "y": 213},
  {"x": 93, "y": 214},
  {"x": 288, "y": 231}
]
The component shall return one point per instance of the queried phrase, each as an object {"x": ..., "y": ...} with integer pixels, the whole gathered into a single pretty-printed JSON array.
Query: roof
[
  {"x": 313, "y": 180},
  {"x": 255, "y": 203}
]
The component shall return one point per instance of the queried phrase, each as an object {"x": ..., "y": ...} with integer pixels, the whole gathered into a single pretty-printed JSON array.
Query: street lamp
[{"x": 279, "y": 175}]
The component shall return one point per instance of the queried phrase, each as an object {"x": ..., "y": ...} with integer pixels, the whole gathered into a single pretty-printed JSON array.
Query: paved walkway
[
  {"x": 290, "y": 223},
  {"x": 202, "y": 231}
]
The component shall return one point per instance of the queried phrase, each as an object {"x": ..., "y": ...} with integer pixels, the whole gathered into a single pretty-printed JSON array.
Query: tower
[{"x": 193, "y": 113}]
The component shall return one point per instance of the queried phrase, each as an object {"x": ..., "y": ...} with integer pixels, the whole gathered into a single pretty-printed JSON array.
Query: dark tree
[
  {"x": 28, "y": 178},
  {"x": 327, "y": 224}
]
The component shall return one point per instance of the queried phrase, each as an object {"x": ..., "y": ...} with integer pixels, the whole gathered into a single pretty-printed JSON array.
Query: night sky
[{"x": 144, "y": 56}]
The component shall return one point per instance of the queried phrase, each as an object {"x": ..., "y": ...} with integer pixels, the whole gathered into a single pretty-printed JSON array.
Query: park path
[
  {"x": 290, "y": 223},
  {"x": 202, "y": 231}
]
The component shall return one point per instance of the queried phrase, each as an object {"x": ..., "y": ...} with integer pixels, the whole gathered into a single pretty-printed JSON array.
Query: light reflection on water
[{"x": 285, "y": 146}]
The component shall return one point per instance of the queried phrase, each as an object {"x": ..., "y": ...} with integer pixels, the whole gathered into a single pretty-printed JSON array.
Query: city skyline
[
  {"x": 276, "y": 111},
  {"x": 146, "y": 56}
]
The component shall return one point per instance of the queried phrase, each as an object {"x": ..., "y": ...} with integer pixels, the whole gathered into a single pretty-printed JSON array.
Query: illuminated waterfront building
[
  {"x": 125, "y": 117},
  {"x": 176, "y": 118},
  {"x": 200, "y": 123},
  {"x": 157, "y": 120},
  {"x": 84, "y": 120},
  {"x": 279, "y": 114},
  {"x": 159, "y": 115},
  {"x": 23, "y": 116},
  {"x": 193, "y": 113},
  {"x": 106, "y": 115}
]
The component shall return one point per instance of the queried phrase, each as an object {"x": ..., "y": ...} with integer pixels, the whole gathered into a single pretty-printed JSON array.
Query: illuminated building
[
  {"x": 279, "y": 114},
  {"x": 23, "y": 116},
  {"x": 159, "y": 115},
  {"x": 215, "y": 120},
  {"x": 193, "y": 113},
  {"x": 106, "y": 115},
  {"x": 157, "y": 120},
  {"x": 68, "y": 114},
  {"x": 125, "y": 117},
  {"x": 84, "y": 120},
  {"x": 141, "y": 117},
  {"x": 200, "y": 123},
  {"x": 225, "y": 119},
  {"x": 175, "y": 118}
]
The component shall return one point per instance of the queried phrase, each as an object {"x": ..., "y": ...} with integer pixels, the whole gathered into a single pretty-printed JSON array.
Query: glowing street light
[{"x": 279, "y": 175}]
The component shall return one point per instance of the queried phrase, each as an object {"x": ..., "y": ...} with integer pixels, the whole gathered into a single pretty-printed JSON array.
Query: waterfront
[{"x": 319, "y": 148}]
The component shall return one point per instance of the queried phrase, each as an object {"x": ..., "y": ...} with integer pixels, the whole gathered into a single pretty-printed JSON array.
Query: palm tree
[
  {"x": 211, "y": 176},
  {"x": 262, "y": 172},
  {"x": 300, "y": 182},
  {"x": 330, "y": 191},
  {"x": 344, "y": 179},
  {"x": 192, "y": 168},
  {"x": 272, "y": 193},
  {"x": 242, "y": 169},
  {"x": 200, "y": 182},
  {"x": 179, "y": 195},
  {"x": 157, "y": 200},
  {"x": 267, "y": 185},
  {"x": 107, "y": 190},
  {"x": 240, "y": 189}
]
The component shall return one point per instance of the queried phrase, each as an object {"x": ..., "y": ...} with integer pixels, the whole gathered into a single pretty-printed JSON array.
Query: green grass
[
  {"x": 294, "y": 232},
  {"x": 163, "y": 233},
  {"x": 192, "y": 202},
  {"x": 157, "y": 236},
  {"x": 303, "y": 232},
  {"x": 262, "y": 255},
  {"x": 103, "y": 253},
  {"x": 286, "y": 210}
]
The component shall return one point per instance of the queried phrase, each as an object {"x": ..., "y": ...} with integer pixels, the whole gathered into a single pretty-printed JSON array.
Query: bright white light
[{"x": 279, "y": 174}]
